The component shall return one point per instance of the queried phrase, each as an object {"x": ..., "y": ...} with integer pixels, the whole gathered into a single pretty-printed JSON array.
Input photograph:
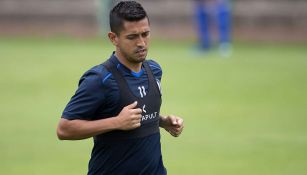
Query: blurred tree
[{"x": 104, "y": 7}]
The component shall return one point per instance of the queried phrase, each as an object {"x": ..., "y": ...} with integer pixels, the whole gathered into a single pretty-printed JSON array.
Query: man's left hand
[{"x": 172, "y": 124}]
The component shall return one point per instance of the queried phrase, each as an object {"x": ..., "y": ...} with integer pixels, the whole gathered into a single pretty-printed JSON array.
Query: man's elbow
[
  {"x": 62, "y": 131},
  {"x": 61, "y": 134}
]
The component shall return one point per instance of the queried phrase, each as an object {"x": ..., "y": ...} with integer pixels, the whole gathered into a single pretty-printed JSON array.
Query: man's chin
[{"x": 140, "y": 59}]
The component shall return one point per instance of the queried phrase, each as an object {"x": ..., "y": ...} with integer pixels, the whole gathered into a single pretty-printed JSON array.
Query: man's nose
[{"x": 141, "y": 42}]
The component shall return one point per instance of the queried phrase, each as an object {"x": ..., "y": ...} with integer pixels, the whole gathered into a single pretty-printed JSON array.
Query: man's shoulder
[
  {"x": 98, "y": 69},
  {"x": 154, "y": 65},
  {"x": 95, "y": 74},
  {"x": 155, "y": 68}
]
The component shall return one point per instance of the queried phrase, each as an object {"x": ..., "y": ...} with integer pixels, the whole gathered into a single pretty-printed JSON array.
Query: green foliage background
[{"x": 246, "y": 114}]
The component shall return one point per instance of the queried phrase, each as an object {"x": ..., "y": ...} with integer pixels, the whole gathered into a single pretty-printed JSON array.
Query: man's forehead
[{"x": 136, "y": 27}]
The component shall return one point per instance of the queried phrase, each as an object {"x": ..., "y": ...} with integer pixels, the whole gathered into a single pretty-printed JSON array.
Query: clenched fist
[{"x": 130, "y": 117}]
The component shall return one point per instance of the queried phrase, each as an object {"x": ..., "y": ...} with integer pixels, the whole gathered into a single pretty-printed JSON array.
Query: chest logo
[
  {"x": 144, "y": 108},
  {"x": 148, "y": 117}
]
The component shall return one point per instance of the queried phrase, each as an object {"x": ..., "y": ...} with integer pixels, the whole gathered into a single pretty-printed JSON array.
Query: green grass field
[{"x": 244, "y": 115}]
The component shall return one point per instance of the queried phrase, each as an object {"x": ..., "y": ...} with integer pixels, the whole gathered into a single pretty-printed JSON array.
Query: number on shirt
[{"x": 142, "y": 91}]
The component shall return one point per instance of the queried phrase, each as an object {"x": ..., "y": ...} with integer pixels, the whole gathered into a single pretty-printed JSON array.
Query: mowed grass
[{"x": 246, "y": 114}]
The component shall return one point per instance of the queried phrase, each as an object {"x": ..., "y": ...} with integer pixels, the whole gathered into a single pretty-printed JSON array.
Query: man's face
[{"x": 133, "y": 40}]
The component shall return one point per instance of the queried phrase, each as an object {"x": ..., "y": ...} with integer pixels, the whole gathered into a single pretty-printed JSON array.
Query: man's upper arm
[{"x": 87, "y": 99}]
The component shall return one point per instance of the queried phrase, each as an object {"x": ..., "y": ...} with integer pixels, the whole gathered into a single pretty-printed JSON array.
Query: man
[{"x": 118, "y": 102}]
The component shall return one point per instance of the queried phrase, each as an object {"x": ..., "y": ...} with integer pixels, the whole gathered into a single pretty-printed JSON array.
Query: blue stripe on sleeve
[
  {"x": 154, "y": 66},
  {"x": 106, "y": 77}
]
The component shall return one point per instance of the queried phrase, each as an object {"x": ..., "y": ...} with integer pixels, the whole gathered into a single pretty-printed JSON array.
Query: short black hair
[{"x": 125, "y": 11}]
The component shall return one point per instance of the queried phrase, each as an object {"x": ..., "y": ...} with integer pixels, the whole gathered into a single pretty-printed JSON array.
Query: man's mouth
[{"x": 140, "y": 51}]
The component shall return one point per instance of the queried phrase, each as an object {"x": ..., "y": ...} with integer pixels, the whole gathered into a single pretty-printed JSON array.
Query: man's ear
[{"x": 113, "y": 38}]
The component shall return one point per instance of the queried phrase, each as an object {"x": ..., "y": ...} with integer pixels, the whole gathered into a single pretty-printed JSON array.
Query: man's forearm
[{"x": 82, "y": 129}]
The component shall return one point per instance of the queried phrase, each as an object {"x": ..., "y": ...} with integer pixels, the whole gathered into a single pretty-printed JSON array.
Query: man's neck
[{"x": 135, "y": 67}]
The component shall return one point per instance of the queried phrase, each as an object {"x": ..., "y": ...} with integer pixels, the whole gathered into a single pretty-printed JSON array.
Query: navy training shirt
[{"x": 97, "y": 96}]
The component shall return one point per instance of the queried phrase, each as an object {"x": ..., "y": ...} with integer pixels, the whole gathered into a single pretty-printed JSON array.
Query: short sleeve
[{"x": 87, "y": 99}]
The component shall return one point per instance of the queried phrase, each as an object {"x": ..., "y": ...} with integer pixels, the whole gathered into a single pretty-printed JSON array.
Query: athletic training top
[{"x": 103, "y": 91}]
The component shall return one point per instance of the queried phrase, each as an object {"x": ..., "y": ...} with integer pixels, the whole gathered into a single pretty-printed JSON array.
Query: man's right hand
[{"x": 130, "y": 117}]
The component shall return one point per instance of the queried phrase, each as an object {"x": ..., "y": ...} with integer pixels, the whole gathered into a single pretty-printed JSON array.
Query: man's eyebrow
[
  {"x": 135, "y": 33},
  {"x": 132, "y": 34}
]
